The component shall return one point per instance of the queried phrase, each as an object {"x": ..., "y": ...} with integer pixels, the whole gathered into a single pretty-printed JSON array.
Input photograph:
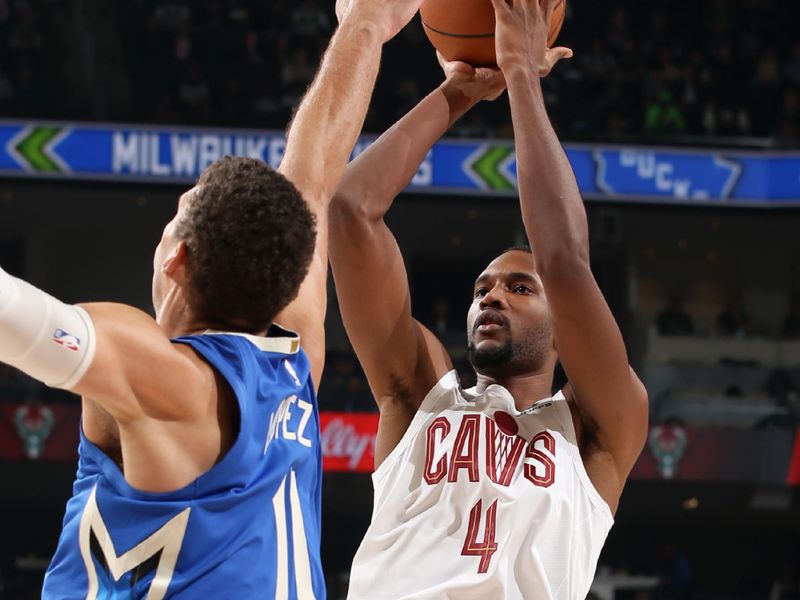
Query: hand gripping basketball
[{"x": 474, "y": 84}]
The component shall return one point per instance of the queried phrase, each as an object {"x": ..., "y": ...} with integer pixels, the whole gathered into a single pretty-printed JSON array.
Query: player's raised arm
[
  {"x": 401, "y": 358},
  {"x": 322, "y": 136},
  {"x": 608, "y": 394}
]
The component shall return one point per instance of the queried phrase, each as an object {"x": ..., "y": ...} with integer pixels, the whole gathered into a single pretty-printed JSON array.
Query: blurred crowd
[
  {"x": 733, "y": 320},
  {"x": 23, "y": 33},
  {"x": 655, "y": 70}
]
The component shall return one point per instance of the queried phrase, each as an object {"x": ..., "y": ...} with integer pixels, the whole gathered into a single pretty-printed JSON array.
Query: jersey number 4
[{"x": 472, "y": 545}]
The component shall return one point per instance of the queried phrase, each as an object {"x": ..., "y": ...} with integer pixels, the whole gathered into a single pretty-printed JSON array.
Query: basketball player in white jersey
[{"x": 499, "y": 491}]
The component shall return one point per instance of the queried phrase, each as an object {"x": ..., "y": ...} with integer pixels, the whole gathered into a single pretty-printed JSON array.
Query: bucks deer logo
[{"x": 667, "y": 443}]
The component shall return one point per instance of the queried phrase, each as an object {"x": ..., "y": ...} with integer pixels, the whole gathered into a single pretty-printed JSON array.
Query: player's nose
[{"x": 494, "y": 298}]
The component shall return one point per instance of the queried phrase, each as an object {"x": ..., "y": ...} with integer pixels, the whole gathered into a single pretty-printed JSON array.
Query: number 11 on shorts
[{"x": 472, "y": 545}]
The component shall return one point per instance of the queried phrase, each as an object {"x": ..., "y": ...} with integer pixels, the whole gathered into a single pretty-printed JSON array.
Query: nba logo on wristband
[{"x": 70, "y": 342}]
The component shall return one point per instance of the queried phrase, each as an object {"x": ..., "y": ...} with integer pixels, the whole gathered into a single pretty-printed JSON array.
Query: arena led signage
[{"x": 467, "y": 167}]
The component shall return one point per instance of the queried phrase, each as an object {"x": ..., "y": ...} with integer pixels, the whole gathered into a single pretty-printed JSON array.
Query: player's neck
[
  {"x": 525, "y": 389},
  {"x": 176, "y": 317},
  {"x": 180, "y": 325}
]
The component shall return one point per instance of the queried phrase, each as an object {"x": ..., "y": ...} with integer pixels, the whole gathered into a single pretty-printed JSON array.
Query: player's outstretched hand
[
  {"x": 389, "y": 16},
  {"x": 523, "y": 27},
  {"x": 475, "y": 84}
]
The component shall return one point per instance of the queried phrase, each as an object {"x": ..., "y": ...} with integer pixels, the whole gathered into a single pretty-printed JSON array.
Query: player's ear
[{"x": 174, "y": 265}]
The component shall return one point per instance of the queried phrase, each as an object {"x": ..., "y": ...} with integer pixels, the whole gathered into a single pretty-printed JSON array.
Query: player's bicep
[
  {"x": 592, "y": 351},
  {"x": 136, "y": 370}
]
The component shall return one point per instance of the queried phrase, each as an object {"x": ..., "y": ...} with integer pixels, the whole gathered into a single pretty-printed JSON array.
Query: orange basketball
[{"x": 464, "y": 29}]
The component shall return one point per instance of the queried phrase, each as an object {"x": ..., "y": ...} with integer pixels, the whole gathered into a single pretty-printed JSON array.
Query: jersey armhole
[
  {"x": 238, "y": 388},
  {"x": 565, "y": 416},
  {"x": 428, "y": 405}
]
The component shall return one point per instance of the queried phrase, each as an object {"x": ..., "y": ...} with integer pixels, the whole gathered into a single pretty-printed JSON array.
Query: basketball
[{"x": 463, "y": 30}]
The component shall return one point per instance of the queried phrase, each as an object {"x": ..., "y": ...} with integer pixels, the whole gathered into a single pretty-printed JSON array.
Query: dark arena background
[{"x": 682, "y": 121}]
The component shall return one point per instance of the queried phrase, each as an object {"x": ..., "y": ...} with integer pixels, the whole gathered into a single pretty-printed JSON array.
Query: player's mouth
[{"x": 490, "y": 321}]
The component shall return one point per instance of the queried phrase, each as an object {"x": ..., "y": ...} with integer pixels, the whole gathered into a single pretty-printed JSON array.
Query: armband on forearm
[{"x": 43, "y": 337}]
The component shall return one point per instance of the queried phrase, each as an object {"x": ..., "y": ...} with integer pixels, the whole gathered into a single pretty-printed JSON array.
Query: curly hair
[{"x": 250, "y": 239}]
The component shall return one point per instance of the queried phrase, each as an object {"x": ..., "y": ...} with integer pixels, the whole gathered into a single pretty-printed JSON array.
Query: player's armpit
[
  {"x": 138, "y": 372},
  {"x": 603, "y": 465},
  {"x": 399, "y": 394}
]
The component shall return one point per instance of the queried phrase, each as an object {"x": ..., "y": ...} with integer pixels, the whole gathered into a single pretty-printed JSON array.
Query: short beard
[
  {"x": 512, "y": 358},
  {"x": 490, "y": 359}
]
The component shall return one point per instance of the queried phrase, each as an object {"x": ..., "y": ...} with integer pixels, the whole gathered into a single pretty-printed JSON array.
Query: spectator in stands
[
  {"x": 343, "y": 384},
  {"x": 765, "y": 106},
  {"x": 791, "y": 324},
  {"x": 734, "y": 321},
  {"x": 310, "y": 22},
  {"x": 6, "y": 90},
  {"x": 782, "y": 388},
  {"x": 405, "y": 95},
  {"x": 194, "y": 94},
  {"x": 357, "y": 397},
  {"x": 441, "y": 314},
  {"x": 664, "y": 115},
  {"x": 172, "y": 15},
  {"x": 647, "y": 75},
  {"x": 296, "y": 74},
  {"x": 791, "y": 70},
  {"x": 674, "y": 320},
  {"x": 676, "y": 575},
  {"x": 267, "y": 106}
]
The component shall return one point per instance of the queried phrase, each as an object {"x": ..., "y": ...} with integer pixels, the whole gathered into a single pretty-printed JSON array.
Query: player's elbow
[
  {"x": 307, "y": 181},
  {"x": 345, "y": 204},
  {"x": 352, "y": 205}
]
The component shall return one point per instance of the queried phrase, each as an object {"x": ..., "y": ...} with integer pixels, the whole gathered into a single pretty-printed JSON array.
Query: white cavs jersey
[{"x": 479, "y": 501}]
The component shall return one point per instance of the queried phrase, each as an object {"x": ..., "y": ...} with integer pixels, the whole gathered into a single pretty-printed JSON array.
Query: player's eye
[
  {"x": 522, "y": 289},
  {"x": 480, "y": 292}
]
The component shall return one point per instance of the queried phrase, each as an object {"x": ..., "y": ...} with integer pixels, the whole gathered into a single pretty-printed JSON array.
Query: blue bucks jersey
[{"x": 248, "y": 528}]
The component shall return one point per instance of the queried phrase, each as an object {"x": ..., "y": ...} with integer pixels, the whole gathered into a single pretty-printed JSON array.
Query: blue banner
[{"x": 629, "y": 174}]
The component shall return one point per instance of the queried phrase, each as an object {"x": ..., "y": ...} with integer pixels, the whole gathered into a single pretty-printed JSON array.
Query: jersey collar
[{"x": 277, "y": 339}]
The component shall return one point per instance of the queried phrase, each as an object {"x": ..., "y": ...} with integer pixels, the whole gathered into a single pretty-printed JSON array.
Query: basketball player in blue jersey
[
  {"x": 454, "y": 516},
  {"x": 199, "y": 471}
]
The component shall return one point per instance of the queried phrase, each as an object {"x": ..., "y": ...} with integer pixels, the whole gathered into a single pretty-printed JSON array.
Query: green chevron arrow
[
  {"x": 33, "y": 149},
  {"x": 487, "y": 168}
]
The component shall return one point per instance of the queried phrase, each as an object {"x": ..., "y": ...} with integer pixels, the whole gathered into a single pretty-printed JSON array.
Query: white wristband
[{"x": 40, "y": 335}]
